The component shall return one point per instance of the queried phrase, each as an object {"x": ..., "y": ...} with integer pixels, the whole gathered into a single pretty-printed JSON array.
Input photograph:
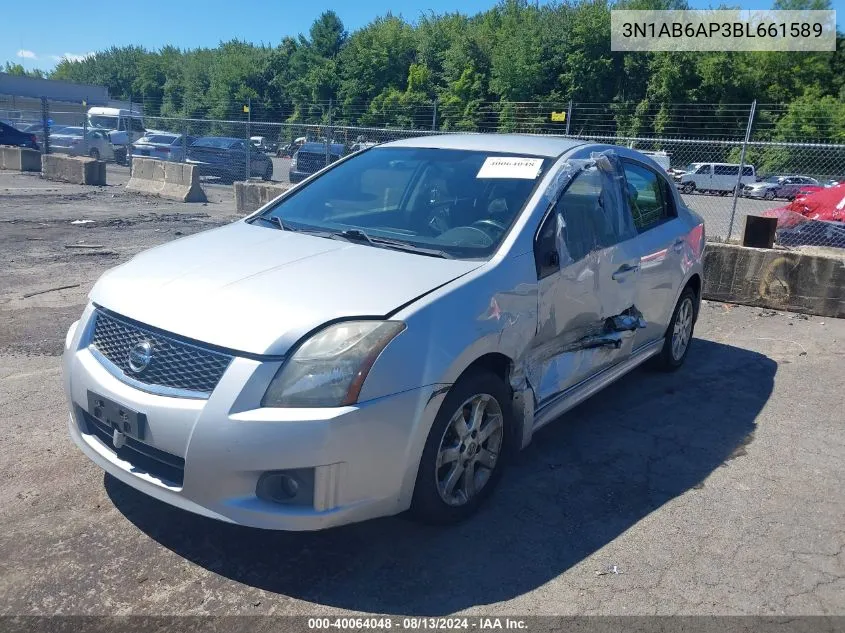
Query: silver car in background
[
  {"x": 385, "y": 335},
  {"x": 161, "y": 145},
  {"x": 71, "y": 140}
]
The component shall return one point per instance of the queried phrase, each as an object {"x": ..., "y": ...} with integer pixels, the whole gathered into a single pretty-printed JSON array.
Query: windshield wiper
[
  {"x": 274, "y": 220},
  {"x": 358, "y": 234}
]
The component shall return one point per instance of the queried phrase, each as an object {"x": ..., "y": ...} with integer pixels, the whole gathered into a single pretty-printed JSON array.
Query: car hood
[
  {"x": 258, "y": 290},
  {"x": 763, "y": 185}
]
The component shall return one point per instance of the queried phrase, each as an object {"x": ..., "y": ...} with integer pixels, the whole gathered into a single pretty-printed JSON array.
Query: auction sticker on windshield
[{"x": 510, "y": 167}]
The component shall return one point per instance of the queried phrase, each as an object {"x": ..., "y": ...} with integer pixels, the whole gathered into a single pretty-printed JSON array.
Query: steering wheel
[{"x": 488, "y": 223}]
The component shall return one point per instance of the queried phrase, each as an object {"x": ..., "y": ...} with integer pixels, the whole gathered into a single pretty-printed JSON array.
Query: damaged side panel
[{"x": 587, "y": 318}]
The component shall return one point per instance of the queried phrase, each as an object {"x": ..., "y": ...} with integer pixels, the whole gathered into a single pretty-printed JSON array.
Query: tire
[
  {"x": 670, "y": 358},
  {"x": 94, "y": 153},
  {"x": 769, "y": 195},
  {"x": 268, "y": 171},
  {"x": 688, "y": 187},
  {"x": 429, "y": 504}
]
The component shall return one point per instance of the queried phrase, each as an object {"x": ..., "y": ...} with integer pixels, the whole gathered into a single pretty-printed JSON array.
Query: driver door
[{"x": 588, "y": 266}]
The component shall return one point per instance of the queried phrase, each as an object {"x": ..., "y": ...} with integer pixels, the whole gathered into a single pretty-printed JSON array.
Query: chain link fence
[{"x": 728, "y": 161}]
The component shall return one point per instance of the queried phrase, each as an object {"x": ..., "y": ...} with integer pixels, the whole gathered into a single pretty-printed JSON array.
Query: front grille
[
  {"x": 175, "y": 363},
  {"x": 163, "y": 466}
]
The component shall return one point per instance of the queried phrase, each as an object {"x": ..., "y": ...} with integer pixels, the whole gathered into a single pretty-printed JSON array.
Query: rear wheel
[
  {"x": 466, "y": 450},
  {"x": 676, "y": 342}
]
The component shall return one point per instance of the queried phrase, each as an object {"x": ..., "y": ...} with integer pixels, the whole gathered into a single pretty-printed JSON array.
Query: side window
[
  {"x": 727, "y": 170},
  {"x": 748, "y": 170},
  {"x": 121, "y": 126},
  {"x": 584, "y": 219},
  {"x": 704, "y": 169},
  {"x": 137, "y": 125},
  {"x": 238, "y": 145},
  {"x": 649, "y": 197}
]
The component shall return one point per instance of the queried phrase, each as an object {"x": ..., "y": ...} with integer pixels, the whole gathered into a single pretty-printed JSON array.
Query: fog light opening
[{"x": 292, "y": 487}]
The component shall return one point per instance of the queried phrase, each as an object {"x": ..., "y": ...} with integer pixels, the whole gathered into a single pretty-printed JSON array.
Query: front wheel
[
  {"x": 466, "y": 450},
  {"x": 769, "y": 195},
  {"x": 678, "y": 336},
  {"x": 688, "y": 187}
]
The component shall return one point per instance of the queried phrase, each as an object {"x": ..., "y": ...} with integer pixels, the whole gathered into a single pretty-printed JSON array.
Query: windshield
[
  {"x": 72, "y": 131},
  {"x": 458, "y": 202},
  {"x": 773, "y": 179},
  {"x": 105, "y": 122},
  {"x": 692, "y": 167}
]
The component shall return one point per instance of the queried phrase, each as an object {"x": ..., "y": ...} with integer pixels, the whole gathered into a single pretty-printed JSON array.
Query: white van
[
  {"x": 716, "y": 177},
  {"x": 124, "y": 126}
]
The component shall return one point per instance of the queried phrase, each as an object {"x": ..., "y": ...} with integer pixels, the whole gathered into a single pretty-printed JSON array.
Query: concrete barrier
[
  {"x": 165, "y": 179},
  {"x": 776, "y": 279},
  {"x": 79, "y": 170},
  {"x": 250, "y": 196},
  {"x": 19, "y": 158}
]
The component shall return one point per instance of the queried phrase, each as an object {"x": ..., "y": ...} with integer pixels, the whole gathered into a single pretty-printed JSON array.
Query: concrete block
[
  {"x": 250, "y": 196},
  {"x": 776, "y": 279},
  {"x": 165, "y": 179},
  {"x": 19, "y": 158},
  {"x": 79, "y": 170}
]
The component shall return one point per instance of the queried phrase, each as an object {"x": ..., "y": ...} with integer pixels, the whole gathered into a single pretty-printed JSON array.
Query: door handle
[{"x": 624, "y": 270}]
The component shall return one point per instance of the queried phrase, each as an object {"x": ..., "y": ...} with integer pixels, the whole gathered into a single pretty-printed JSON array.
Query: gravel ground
[{"x": 713, "y": 490}]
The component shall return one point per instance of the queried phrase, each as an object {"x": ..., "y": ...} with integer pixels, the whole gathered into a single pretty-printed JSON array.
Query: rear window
[
  {"x": 214, "y": 141},
  {"x": 164, "y": 139}
]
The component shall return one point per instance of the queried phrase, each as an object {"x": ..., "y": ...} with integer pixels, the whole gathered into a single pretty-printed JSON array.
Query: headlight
[{"x": 329, "y": 369}]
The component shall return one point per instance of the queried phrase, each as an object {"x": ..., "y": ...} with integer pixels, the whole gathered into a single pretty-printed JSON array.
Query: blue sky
[{"x": 58, "y": 27}]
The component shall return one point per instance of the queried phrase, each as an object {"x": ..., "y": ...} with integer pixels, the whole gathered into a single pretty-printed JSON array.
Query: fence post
[
  {"x": 328, "y": 134},
  {"x": 434, "y": 117},
  {"x": 185, "y": 130},
  {"x": 45, "y": 124},
  {"x": 568, "y": 116},
  {"x": 741, "y": 167},
  {"x": 248, "y": 141},
  {"x": 85, "y": 148}
]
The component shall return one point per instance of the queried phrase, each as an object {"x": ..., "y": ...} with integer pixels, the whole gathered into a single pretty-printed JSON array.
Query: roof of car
[{"x": 550, "y": 146}]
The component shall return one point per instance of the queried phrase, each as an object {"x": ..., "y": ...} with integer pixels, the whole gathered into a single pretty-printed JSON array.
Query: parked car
[
  {"x": 778, "y": 187},
  {"x": 124, "y": 127},
  {"x": 163, "y": 146},
  {"x": 715, "y": 177},
  {"x": 263, "y": 144},
  {"x": 10, "y": 135},
  {"x": 226, "y": 158},
  {"x": 71, "y": 140},
  {"x": 291, "y": 148},
  {"x": 385, "y": 335},
  {"x": 311, "y": 158}
]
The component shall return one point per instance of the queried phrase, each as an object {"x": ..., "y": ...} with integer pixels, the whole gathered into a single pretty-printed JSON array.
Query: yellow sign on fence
[
  {"x": 246, "y": 109},
  {"x": 559, "y": 116}
]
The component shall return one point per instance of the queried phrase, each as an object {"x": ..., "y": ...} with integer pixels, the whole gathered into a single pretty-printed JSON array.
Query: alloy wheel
[
  {"x": 469, "y": 449},
  {"x": 682, "y": 331}
]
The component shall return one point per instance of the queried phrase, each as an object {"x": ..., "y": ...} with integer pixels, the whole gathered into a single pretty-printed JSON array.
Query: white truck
[{"x": 124, "y": 126}]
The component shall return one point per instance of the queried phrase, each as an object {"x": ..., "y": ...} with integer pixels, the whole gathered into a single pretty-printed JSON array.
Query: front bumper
[
  {"x": 364, "y": 457},
  {"x": 754, "y": 193}
]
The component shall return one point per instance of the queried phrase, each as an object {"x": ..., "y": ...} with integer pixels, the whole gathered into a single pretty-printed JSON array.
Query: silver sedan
[{"x": 385, "y": 335}]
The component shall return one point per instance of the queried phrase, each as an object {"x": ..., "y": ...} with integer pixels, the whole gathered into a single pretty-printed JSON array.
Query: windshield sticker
[{"x": 510, "y": 167}]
